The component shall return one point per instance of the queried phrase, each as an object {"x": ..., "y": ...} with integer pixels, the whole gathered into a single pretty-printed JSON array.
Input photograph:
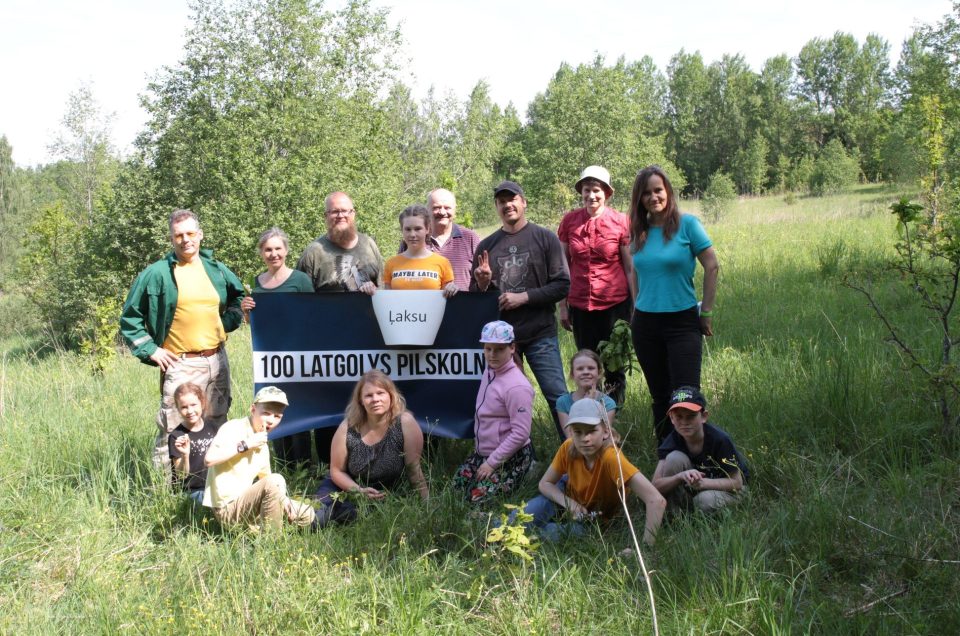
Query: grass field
[{"x": 851, "y": 523}]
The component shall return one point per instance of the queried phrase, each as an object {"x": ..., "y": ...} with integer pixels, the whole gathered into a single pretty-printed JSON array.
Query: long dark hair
[{"x": 640, "y": 218}]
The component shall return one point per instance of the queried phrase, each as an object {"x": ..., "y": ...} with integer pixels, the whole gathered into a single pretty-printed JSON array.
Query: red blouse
[{"x": 597, "y": 280}]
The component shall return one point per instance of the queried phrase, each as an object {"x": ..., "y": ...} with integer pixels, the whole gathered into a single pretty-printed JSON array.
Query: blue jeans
[
  {"x": 543, "y": 355},
  {"x": 545, "y": 511},
  {"x": 196, "y": 496}
]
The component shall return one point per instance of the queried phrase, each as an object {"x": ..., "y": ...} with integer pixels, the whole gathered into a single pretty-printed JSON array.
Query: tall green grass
[{"x": 850, "y": 523}]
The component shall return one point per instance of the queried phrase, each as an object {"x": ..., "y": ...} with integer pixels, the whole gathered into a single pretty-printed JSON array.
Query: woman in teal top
[
  {"x": 668, "y": 326},
  {"x": 273, "y": 246}
]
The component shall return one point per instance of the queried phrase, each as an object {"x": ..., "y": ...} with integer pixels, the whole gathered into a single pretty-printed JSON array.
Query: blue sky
[{"x": 50, "y": 47}]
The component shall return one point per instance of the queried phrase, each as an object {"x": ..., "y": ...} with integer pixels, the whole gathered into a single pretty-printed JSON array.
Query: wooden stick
[{"x": 863, "y": 608}]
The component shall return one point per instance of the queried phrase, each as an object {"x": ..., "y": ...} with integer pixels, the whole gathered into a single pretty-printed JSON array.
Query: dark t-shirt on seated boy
[
  {"x": 199, "y": 443},
  {"x": 716, "y": 459}
]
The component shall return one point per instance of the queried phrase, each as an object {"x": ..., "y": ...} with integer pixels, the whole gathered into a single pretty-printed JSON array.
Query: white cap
[
  {"x": 586, "y": 411},
  {"x": 598, "y": 173}
]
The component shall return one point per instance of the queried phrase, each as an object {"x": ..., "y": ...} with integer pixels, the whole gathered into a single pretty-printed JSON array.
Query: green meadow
[{"x": 851, "y": 522}]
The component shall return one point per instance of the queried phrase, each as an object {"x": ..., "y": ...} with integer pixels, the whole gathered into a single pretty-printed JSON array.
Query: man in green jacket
[{"x": 176, "y": 317}]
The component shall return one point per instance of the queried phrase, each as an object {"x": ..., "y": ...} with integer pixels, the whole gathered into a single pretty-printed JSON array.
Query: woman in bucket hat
[
  {"x": 503, "y": 451},
  {"x": 596, "y": 241}
]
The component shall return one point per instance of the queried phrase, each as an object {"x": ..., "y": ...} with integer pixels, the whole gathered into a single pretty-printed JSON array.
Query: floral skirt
[{"x": 501, "y": 481}]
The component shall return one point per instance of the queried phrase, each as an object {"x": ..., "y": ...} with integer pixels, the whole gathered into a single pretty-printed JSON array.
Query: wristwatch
[{"x": 242, "y": 446}]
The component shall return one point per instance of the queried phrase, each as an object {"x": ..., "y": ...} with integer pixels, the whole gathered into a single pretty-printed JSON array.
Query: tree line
[{"x": 275, "y": 103}]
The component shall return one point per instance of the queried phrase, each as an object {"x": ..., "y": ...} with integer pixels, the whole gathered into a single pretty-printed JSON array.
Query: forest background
[
  {"x": 274, "y": 104},
  {"x": 277, "y": 102}
]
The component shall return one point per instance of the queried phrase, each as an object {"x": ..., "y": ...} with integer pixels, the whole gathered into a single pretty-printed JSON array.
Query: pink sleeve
[{"x": 520, "y": 409}]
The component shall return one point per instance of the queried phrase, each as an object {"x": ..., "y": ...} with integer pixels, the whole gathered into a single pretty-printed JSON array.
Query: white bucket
[{"x": 409, "y": 317}]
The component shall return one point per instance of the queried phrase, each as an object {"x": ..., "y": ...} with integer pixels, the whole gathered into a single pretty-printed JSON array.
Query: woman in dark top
[
  {"x": 377, "y": 442},
  {"x": 273, "y": 246}
]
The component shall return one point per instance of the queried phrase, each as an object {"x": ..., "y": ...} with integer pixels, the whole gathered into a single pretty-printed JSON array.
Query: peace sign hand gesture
[{"x": 483, "y": 274}]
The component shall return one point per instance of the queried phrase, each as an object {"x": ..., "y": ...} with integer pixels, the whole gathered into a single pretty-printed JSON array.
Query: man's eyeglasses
[{"x": 340, "y": 212}]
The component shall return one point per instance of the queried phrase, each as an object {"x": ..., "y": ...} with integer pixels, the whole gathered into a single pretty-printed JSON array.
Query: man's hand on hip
[{"x": 163, "y": 358}]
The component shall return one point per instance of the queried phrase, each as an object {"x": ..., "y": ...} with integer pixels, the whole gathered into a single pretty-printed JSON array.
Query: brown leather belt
[{"x": 206, "y": 353}]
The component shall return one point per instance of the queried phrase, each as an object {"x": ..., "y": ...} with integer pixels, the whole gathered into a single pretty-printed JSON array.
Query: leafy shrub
[
  {"x": 834, "y": 170},
  {"x": 510, "y": 540},
  {"x": 719, "y": 196},
  {"x": 798, "y": 178},
  {"x": 46, "y": 271},
  {"x": 617, "y": 352},
  {"x": 750, "y": 166},
  {"x": 17, "y": 316},
  {"x": 928, "y": 263}
]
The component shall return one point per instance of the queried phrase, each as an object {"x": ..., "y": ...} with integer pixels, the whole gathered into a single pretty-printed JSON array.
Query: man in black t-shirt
[{"x": 525, "y": 263}]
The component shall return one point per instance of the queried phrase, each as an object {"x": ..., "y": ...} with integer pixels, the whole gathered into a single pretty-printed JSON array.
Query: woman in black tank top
[{"x": 377, "y": 442}]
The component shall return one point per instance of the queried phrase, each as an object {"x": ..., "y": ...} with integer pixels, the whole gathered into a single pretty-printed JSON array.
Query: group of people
[{"x": 601, "y": 266}]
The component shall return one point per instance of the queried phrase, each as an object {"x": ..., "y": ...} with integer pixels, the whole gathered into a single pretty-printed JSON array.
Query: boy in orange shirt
[{"x": 586, "y": 478}]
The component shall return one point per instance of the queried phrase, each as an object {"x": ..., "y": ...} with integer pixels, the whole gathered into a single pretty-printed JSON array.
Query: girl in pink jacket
[{"x": 503, "y": 452}]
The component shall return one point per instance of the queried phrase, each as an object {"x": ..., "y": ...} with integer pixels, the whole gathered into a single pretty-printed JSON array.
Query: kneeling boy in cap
[
  {"x": 588, "y": 476},
  {"x": 240, "y": 486},
  {"x": 697, "y": 459}
]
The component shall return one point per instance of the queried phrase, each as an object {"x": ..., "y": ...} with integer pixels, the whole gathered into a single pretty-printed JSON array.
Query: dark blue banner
[{"x": 316, "y": 346}]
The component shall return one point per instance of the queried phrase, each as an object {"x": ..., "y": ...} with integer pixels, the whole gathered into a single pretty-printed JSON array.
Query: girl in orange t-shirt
[{"x": 417, "y": 267}]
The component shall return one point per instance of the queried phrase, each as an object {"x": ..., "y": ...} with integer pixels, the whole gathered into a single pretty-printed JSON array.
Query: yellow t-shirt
[
  {"x": 597, "y": 489},
  {"x": 196, "y": 322},
  {"x": 228, "y": 480},
  {"x": 430, "y": 272}
]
